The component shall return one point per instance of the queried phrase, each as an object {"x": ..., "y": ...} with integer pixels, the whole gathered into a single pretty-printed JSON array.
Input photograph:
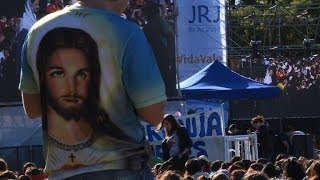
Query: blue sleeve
[
  {"x": 27, "y": 82},
  {"x": 142, "y": 78}
]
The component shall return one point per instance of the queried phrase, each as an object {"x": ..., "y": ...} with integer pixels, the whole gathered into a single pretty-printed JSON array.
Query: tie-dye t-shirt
[{"x": 129, "y": 80}]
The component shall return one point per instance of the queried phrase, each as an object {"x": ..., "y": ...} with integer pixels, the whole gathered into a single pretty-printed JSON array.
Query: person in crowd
[
  {"x": 177, "y": 143},
  {"x": 161, "y": 38},
  {"x": 27, "y": 166},
  {"x": 128, "y": 89},
  {"x": 256, "y": 176},
  {"x": 292, "y": 169},
  {"x": 214, "y": 167},
  {"x": 28, "y": 19},
  {"x": 205, "y": 163},
  {"x": 315, "y": 170},
  {"x": 35, "y": 173},
  {"x": 265, "y": 144},
  {"x": 286, "y": 141},
  {"x": 233, "y": 130},
  {"x": 54, "y": 5},
  {"x": 237, "y": 174},
  {"x": 171, "y": 175},
  {"x": 271, "y": 171},
  {"x": 193, "y": 169}
]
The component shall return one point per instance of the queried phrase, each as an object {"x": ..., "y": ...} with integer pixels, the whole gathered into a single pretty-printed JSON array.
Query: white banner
[
  {"x": 203, "y": 129},
  {"x": 201, "y": 35}
]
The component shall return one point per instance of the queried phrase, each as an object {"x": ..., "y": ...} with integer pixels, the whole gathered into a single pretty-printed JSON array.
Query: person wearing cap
[{"x": 177, "y": 143}]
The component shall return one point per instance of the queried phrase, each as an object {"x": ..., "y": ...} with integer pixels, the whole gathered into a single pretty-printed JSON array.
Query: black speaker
[
  {"x": 13, "y": 8},
  {"x": 303, "y": 145}
]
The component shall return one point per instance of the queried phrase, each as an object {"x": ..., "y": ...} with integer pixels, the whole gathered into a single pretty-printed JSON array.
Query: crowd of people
[
  {"x": 294, "y": 75},
  {"x": 30, "y": 171}
]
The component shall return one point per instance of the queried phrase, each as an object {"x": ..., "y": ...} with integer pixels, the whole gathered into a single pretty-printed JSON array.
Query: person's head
[
  {"x": 233, "y": 129},
  {"x": 192, "y": 166},
  {"x": 35, "y": 5},
  {"x": 235, "y": 159},
  {"x": 315, "y": 169},
  {"x": 257, "y": 121},
  {"x": 256, "y": 176},
  {"x": 262, "y": 161},
  {"x": 255, "y": 167},
  {"x": 220, "y": 176},
  {"x": 171, "y": 175},
  {"x": 3, "y": 165},
  {"x": 233, "y": 168},
  {"x": 271, "y": 171},
  {"x": 237, "y": 174},
  {"x": 215, "y": 166},
  {"x": 204, "y": 162},
  {"x": 28, "y": 165},
  {"x": 293, "y": 170},
  {"x": 69, "y": 73},
  {"x": 170, "y": 124}
]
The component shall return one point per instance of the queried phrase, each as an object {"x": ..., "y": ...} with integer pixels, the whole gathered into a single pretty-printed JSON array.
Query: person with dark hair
[
  {"x": 292, "y": 169},
  {"x": 214, "y": 167},
  {"x": 271, "y": 171},
  {"x": 28, "y": 165},
  {"x": 193, "y": 168},
  {"x": 233, "y": 130},
  {"x": 255, "y": 176},
  {"x": 3, "y": 165},
  {"x": 265, "y": 145},
  {"x": 91, "y": 76},
  {"x": 237, "y": 174},
  {"x": 177, "y": 143},
  {"x": 315, "y": 170},
  {"x": 161, "y": 38}
]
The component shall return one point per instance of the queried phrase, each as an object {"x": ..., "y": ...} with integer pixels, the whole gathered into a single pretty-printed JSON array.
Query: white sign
[
  {"x": 201, "y": 35},
  {"x": 202, "y": 129}
]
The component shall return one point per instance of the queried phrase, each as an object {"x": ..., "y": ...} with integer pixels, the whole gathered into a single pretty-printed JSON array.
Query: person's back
[{"x": 129, "y": 82}]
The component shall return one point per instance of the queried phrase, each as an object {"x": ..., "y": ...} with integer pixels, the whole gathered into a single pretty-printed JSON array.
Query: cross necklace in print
[{"x": 72, "y": 157}]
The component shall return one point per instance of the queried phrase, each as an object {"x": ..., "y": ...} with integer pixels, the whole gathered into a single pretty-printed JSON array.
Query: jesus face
[{"x": 67, "y": 79}]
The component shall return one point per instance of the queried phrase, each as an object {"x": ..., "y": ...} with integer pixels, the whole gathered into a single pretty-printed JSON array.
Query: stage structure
[{"x": 281, "y": 28}]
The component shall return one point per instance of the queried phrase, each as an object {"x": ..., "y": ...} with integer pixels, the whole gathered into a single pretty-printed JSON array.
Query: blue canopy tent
[{"x": 216, "y": 81}]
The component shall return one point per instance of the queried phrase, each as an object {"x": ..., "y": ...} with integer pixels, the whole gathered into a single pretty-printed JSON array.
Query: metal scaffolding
[{"x": 273, "y": 25}]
